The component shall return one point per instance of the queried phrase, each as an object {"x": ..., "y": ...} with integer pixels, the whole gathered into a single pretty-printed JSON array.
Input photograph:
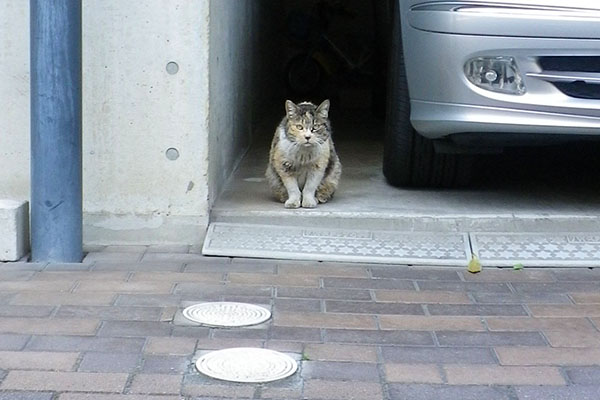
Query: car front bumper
[{"x": 444, "y": 102}]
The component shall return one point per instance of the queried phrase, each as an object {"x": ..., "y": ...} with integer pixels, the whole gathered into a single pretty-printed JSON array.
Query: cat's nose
[{"x": 307, "y": 137}]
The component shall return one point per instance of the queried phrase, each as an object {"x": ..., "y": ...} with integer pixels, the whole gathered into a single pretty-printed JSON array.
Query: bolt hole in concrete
[
  {"x": 172, "y": 154},
  {"x": 172, "y": 68},
  {"x": 226, "y": 314},
  {"x": 247, "y": 365}
]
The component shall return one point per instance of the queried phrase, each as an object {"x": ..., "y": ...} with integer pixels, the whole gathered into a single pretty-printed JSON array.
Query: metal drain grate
[
  {"x": 538, "y": 249},
  {"x": 345, "y": 245},
  {"x": 247, "y": 365},
  {"x": 226, "y": 314}
]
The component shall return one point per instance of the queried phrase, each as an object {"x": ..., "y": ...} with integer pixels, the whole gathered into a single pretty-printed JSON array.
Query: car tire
[{"x": 409, "y": 159}]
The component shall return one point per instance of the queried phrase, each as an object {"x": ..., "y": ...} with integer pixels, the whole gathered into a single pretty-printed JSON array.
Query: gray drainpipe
[{"x": 56, "y": 187}]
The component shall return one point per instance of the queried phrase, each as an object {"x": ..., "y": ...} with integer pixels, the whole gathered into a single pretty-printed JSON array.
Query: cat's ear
[
  {"x": 290, "y": 108},
  {"x": 323, "y": 109}
]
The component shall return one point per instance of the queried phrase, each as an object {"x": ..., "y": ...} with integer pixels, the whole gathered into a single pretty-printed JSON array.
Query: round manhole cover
[
  {"x": 247, "y": 365},
  {"x": 226, "y": 314}
]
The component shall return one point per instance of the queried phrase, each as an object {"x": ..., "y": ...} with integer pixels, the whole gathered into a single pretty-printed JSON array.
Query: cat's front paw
[
  {"x": 292, "y": 202},
  {"x": 309, "y": 202}
]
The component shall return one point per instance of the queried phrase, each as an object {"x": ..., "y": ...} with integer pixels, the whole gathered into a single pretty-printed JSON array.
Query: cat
[{"x": 304, "y": 168}]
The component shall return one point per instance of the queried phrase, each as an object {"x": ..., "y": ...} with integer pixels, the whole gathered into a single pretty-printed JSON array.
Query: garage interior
[{"x": 553, "y": 189}]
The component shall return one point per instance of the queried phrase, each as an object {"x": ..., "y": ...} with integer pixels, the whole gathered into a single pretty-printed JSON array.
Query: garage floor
[{"x": 550, "y": 191}]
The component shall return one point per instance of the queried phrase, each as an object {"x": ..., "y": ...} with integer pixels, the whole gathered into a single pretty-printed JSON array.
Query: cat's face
[{"x": 307, "y": 124}]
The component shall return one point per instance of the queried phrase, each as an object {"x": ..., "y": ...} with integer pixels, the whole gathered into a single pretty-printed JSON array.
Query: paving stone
[
  {"x": 537, "y": 324},
  {"x": 213, "y": 290},
  {"x": 509, "y": 275},
  {"x": 170, "y": 345},
  {"x": 547, "y": 356},
  {"x": 470, "y": 339},
  {"x": 470, "y": 287},
  {"x": 583, "y": 338},
  {"x": 138, "y": 249},
  {"x": 355, "y": 283},
  {"x": 110, "y": 362},
  {"x": 168, "y": 248},
  {"x": 345, "y": 371},
  {"x": 64, "y": 381},
  {"x": 327, "y": 293},
  {"x": 44, "y": 326},
  {"x": 15, "y": 275},
  {"x": 223, "y": 267},
  {"x": 407, "y": 373},
  {"x": 430, "y": 323},
  {"x": 230, "y": 391},
  {"x": 557, "y": 287},
  {"x": 5, "y": 298},
  {"x": 274, "y": 280},
  {"x": 177, "y": 277},
  {"x": 165, "y": 364},
  {"x": 25, "y": 396},
  {"x": 62, "y": 298},
  {"x": 68, "y": 267},
  {"x": 364, "y": 307},
  {"x": 156, "y": 384},
  {"x": 586, "y": 298},
  {"x": 81, "y": 275},
  {"x": 378, "y": 337},
  {"x": 26, "y": 311},
  {"x": 111, "y": 313},
  {"x": 22, "y": 266},
  {"x": 297, "y": 305},
  {"x": 577, "y": 392},
  {"x": 520, "y": 298},
  {"x": 328, "y": 270},
  {"x": 476, "y": 309},
  {"x": 338, "y": 352},
  {"x": 324, "y": 320},
  {"x": 134, "y": 329},
  {"x": 134, "y": 266},
  {"x": 37, "y": 360},
  {"x": 190, "y": 331},
  {"x": 295, "y": 334},
  {"x": 445, "y": 274},
  {"x": 330, "y": 390},
  {"x": 581, "y": 274},
  {"x": 261, "y": 333},
  {"x": 584, "y": 375},
  {"x": 172, "y": 257},
  {"x": 94, "y": 344},
  {"x": 421, "y": 297},
  {"x": 565, "y": 310},
  {"x": 116, "y": 257},
  {"x": 37, "y": 286},
  {"x": 428, "y": 355},
  {"x": 97, "y": 396},
  {"x": 282, "y": 393},
  {"x": 501, "y": 375},
  {"x": 225, "y": 343},
  {"x": 125, "y": 287},
  {"x": 284, "y": 346},
  {"x": 448, "y": 392},
  {"x": 147, "y": 300},
  {"x": 13, "y": 342}
]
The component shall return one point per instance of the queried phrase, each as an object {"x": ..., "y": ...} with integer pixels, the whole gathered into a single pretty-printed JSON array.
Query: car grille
[{"x": 575, "y": 76}]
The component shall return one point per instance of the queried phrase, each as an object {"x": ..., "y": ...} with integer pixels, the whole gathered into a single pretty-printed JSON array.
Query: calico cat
[{"x": 304, "y": 168}]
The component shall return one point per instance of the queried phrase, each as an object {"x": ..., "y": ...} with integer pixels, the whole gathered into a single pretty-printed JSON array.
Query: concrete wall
[
  {"x": 244, "y": 79},
  {"x": 134, "y": 110},
  {"x": 14, "y": 99}
]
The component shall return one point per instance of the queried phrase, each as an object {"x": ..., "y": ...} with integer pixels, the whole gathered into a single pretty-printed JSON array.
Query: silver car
[{"x": 476, "y": 76}]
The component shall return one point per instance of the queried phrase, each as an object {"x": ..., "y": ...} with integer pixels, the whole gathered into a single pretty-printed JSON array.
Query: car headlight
[{"x": 497, "y": 74}]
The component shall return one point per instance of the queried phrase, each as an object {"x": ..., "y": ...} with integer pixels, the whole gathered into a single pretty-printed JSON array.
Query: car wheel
[{"x": 409, "y": 159}]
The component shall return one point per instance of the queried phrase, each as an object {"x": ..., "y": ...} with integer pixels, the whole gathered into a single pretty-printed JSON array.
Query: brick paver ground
[{"x": 108, "y": 329}]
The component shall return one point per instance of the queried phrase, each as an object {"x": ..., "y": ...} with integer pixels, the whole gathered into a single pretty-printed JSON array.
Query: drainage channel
[{"x": 240, "y": 364}]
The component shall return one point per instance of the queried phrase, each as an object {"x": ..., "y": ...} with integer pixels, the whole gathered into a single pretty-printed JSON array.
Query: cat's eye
[
  {"x": 299, "y": 127},
  {"x": 316, "y": 127}
]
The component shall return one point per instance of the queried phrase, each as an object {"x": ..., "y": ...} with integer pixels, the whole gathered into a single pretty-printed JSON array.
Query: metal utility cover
[
  {"x": 226, "y": 314},
  {"x": 345, "y": 245},
  {"x": 247, "y": 365}
]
